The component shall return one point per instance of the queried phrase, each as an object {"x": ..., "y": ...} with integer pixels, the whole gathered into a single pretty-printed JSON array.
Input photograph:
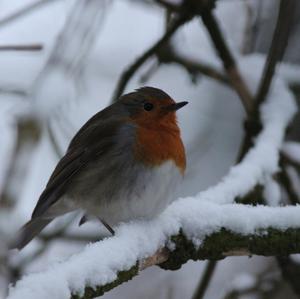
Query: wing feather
[{"x": 91, "y": 142}]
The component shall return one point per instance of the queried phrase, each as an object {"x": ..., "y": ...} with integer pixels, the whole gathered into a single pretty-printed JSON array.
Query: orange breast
[{"x": 158, "y": 143}]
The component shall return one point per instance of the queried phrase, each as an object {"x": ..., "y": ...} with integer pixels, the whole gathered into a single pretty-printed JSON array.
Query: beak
[{"x": 176, "y": 106}]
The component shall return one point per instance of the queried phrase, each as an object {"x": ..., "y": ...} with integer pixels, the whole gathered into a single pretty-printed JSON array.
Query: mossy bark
[
  {"x": 123, "y": 276},
  {"x": 266, "y": 242}
]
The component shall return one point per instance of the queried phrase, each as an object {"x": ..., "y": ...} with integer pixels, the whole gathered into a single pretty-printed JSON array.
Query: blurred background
[{"x": 61, "y": 62}]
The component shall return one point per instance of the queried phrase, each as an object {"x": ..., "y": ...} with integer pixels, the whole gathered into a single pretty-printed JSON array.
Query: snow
[
  {"x": 272, "y": 192},
  {"x": 243, "y": 282},
  {"x": 261, "y": 161},
  {"x": 295, "y": 258},
  {"x": 137, "y": 240}
]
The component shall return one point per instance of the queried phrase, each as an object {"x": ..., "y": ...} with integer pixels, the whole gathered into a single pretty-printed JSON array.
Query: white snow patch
[
  {"x": 243, "y": 282},
  {"x": 272, "y": 193},
  {"x": 295, "y": 258}
]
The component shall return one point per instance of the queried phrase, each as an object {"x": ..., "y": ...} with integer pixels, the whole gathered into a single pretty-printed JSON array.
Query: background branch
[
  {"x": 228, "y": 60},
  {"x": 167, "y": 54},
  {"x": 24, "y": 11},
  {"x": 130, "y": 71},
  {"x": 277, "y": 49},
  {"x": 205, "y": 279},
  {"x": 32, "y": 47}
]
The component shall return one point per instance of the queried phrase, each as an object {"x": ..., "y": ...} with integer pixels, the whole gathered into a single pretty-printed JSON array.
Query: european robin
[{"x": 123, "y": 164}]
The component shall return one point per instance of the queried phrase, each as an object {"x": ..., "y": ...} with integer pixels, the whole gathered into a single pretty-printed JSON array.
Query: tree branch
[
  {"x": 24, "y": 11},
  {"x": 205, "y": 279},
  {"x": 168, "y": 55},
  {"x": 227, "y": 58},
  {"x": 129, "y": 72},
  {"x": 16, "y": 91},
  {"x": 168, "y": 5},
  {"x": 278, "y": 46},
  {"x": 32, "y": 47},
  {"x": 214, "y": 247}
]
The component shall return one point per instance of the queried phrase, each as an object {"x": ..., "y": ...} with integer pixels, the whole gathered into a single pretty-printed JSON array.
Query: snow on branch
[
  {"x": 261, "y": 161},
  {"x": 190, "y": 228}
]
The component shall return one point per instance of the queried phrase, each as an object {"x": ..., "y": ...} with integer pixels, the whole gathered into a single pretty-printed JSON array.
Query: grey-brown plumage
[{"x": 99, "y": 173}]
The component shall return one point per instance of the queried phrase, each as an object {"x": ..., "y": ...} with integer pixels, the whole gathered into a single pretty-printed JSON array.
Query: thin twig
[
  {"x": 129, "y": 72},
  {"x": 24, "y": 11},
  {"x": 168, "y": 5},
  {"x": 13, "y": 91},
  {"x": 228, "y": 60},
  {"x": 205, "y": 279},
  {"x": 290, "y": 271},
  {"x": 193, "y": 67},
  {"x": 277, "y": 49},
  {"x": 32, "y": 47}
]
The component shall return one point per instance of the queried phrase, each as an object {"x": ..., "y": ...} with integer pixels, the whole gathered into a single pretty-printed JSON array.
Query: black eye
[{"x": 148, "y": 106}]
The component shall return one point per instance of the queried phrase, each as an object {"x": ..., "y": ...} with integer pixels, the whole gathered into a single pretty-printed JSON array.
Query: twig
[
  {"x": 33, "y": 47},
  {"x": 205, "y": 280},
  {"x": 13, "y": 91},
  {"x": 168, "y": 55},
  {"x": 168, "y": 5},
  {"x": 289, "y": 269},
  {"x": 277, "y": 49},
  {"x": 258, "y": 288},
  {"x": 229, "y": 63},
  {"x": 291, "y": 272},
  {"x": 24, "y": 11},
  {"x": 289, "y": 160},
  {"x": 129, "y": 72}
]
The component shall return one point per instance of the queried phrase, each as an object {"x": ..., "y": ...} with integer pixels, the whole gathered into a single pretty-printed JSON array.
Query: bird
[{"x": 124, "y": 163}]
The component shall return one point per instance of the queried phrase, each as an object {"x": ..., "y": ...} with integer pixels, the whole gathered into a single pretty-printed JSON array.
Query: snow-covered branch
[
  {"x": 190, "y": 228},
  {"x": 216, "y": 246}
]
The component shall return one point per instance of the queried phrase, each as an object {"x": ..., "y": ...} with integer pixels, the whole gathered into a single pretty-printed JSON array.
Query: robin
[{"x": 123, "y": 164}]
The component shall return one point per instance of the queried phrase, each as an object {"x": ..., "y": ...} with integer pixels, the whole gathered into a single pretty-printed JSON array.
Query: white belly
[{"x": 154, "y": 190}]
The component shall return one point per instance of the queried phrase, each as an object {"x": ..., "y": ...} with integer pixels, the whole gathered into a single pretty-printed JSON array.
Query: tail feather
[{"x": 29, "y": 231}]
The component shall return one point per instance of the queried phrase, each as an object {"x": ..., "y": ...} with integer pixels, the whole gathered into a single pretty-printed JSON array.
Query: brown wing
[{"x": 91, "y": 142}]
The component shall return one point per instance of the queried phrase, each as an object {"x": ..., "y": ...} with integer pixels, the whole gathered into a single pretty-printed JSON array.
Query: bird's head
[{"x": 149, "y": 106}]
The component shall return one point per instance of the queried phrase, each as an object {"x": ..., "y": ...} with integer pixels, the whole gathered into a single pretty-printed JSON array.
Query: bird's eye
[{"x": 148, "y": 106}]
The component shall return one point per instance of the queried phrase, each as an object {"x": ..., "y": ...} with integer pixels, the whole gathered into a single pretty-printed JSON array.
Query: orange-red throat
[{"x": 158, "y": 137}]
